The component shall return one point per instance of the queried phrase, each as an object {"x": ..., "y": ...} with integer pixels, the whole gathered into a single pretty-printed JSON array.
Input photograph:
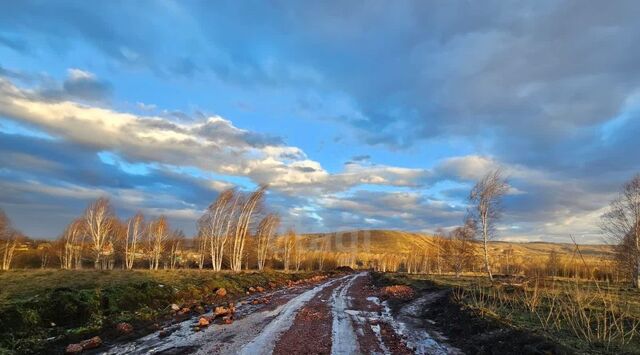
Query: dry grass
[{"x": 582, "y": 314}]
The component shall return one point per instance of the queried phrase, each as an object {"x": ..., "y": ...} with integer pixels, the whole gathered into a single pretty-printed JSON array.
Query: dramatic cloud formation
[{"x": 358, "y": 115}]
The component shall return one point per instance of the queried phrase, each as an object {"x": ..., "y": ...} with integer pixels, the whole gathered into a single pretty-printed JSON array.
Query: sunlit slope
[
  {"x": 390, "y": 241},
  {"x": 372, "y": 241}
]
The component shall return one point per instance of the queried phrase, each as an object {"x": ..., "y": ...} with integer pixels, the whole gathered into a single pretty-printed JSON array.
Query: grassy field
[
  {"x": 584, "y": 316},
  {"x": 68, "y": 305}
]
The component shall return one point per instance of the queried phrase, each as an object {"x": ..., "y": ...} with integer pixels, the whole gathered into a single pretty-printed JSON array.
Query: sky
[{"x": 358, "y": 114}]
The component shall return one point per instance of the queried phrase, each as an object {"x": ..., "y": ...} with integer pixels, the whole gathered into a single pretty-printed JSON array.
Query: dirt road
[{"x": 339, "y": 316}]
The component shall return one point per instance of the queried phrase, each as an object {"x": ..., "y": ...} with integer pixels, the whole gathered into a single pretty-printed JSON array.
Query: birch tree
[
  {"x": 72, "y": 244},
  {"x": 298, "y": 255},
  {"x": 215, "y": 226},
  {"x": 621, "y": 223},
  {"x": 8, "y": 241},
  {"x": 158, "y": 235},
  {"x": 242, "y": 226},
  {"x": 289, "y": 242},
  {"x": 176, "y": 244},
  {"x": 99, "y": 223},
  {"x": 322, "y": 253},
  {"x": 201, "y": 243},
  {"x": 266, "y": 230},
  {"x": 135, "y": 232},
  {"x": 485, "y": 199}
]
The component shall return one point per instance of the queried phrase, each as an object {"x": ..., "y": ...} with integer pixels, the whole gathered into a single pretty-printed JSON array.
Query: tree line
[{"x": 237, "y": 232}]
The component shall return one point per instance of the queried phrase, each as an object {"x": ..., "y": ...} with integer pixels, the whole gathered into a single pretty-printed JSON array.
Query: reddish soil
[
  {"x": 367, "y": 339},
  {"x": 310, "y": 332}
]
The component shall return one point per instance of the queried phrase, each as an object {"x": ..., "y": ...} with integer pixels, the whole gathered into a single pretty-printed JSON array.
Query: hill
[{"x": 385, "y": 241}]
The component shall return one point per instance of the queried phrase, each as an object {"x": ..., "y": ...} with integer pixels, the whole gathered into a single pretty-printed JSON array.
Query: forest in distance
[{"x": 237, "y": 232}]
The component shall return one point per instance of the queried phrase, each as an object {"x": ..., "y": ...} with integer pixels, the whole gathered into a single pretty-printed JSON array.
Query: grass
[
  {"x": 586, "y": 316},
  {"x": 66, "y": 305}
]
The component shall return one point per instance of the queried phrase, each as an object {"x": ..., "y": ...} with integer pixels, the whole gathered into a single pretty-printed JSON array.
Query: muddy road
[{"x": 338, "y": 316}]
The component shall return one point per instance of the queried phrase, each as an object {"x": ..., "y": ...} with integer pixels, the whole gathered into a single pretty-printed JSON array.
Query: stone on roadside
[
  {"x": 260, "y": 289},
  {"x": 221, "y": 311},
  {"x": 203, "y": 322},
  {"x": 221, "y": 292},
  {"x": 175, "y": 307},
  {"x": 73, "y": 349},
  {"x": 92, "y": 343},
  {"x": 124, "y": 328}
]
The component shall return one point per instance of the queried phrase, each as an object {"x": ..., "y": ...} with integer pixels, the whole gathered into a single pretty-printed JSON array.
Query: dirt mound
[
  {"x": 344, "y": 269},
  {"x": 397, "y": 292}
]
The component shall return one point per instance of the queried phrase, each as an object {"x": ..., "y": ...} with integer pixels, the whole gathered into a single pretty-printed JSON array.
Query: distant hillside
[{"x": 385, "y": 241}]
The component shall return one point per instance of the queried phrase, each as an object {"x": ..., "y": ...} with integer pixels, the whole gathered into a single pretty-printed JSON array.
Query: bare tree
[
  {"x": 439, "y": 242},
  {"x": 135, "y": 232},
  {"x": 201, "y": 243},
  {"x": 243, "y": 223},
  {"x": 158, "y": 235},
  {"x": 298, "y": 255},
  {"x": 215, "y": 225},
  {"x": 45, "y": 252},
  {"x": 485, "y": 198},
  {"x": 553, "y": 263},
  {"x": 460, "y": 248},
  {"x": 266, "y": 230},
  {"x": 8, "y": 241},
  {"x": 322, "y": 253},
  {"x": 72, "y": 239},
  {"x": 176, "y": 242},
  {"x": 621, "y": 223},
  {"x": 289, "y": 242},
  {"x": 99, "y": 224}
]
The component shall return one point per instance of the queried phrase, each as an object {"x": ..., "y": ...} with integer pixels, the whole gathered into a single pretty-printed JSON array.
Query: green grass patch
[{"x": 68, "y": 305}]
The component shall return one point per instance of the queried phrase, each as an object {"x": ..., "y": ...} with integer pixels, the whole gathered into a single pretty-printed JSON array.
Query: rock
[
  {"x": 221, "y": 311},
  {"x": 221, "y": 292},
  {"x": 124, "y": 328},
  {"x": 248, "y": 292},
  {"x": 255, "y": 302},
  {"x": 73, "y": 349},
  {"x": 260, "y": 289},
  {"x": 175, "y": 307},
  {"x": 252, "y": 289},
  {"x": 92, "y": 343},
  {"x": 203, "y": 322},
  {"x": 273, "y": 285}
]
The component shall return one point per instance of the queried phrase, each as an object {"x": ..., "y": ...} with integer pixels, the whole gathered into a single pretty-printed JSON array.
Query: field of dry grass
[{"x": 582, "y": 315}]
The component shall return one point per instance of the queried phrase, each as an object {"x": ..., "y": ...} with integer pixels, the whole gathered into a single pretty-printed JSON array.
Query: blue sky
[{"x": 358, "y": 114}]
